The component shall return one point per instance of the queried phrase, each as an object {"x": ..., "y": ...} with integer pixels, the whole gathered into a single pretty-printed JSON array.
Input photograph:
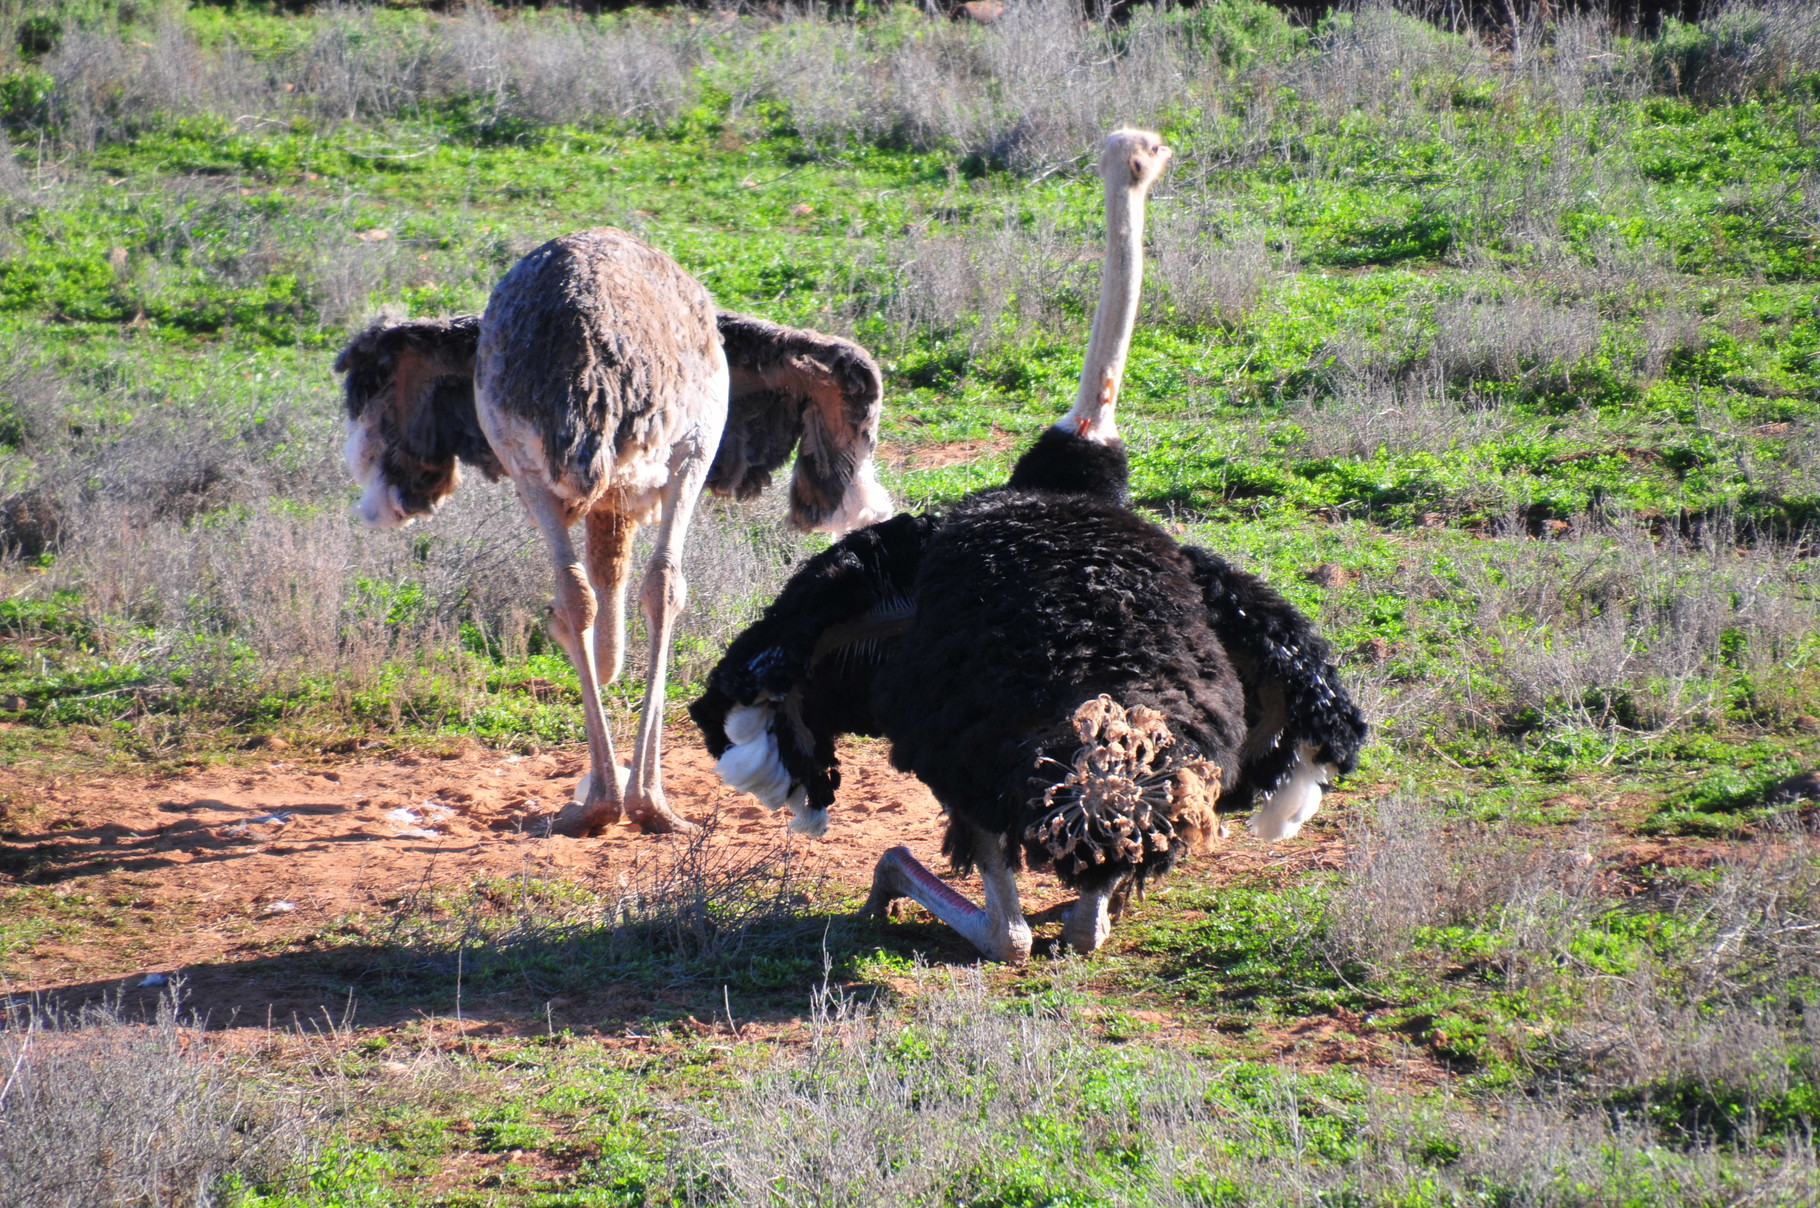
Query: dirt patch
[
  {"x": 947, "y": 453},
  {"x": 249, "y": 882},
  {"x": 219, "y": 865}
]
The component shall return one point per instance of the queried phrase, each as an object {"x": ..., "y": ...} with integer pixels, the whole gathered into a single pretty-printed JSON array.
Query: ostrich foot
[
  {"x": 591, "y": 811},
  {"x": 657, "y": 818},
  {"x": 999, "y": 932}
]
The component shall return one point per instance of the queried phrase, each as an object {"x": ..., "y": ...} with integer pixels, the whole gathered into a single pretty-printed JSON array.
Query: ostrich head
[
  {"x": 410, "y": 402},
  {"x": 1130, "y": 163}
]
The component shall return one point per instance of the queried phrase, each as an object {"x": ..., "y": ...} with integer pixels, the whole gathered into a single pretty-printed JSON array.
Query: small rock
[
  {"x": 271, "y": 742},
  {"x": 332, "y": 777},
  {"x": 1330, "y": 575},
  {"x": 397, "y": 1069}
]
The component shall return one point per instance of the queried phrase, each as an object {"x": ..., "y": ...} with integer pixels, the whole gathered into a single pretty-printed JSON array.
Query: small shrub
[{"x": 99, "y": 1110}]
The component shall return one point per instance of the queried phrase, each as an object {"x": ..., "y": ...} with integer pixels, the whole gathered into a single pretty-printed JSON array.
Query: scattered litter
[
  {"x": 280, "y": 907},
  {"x": 410, "y": 820},
  {"x": 153, "y": 979},
  {"x": 515, "y": 758},
  {"x": 271, "y": 820}
]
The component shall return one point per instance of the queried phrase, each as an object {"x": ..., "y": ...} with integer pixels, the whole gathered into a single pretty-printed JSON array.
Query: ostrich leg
[
  {"x": 572, "y": 619},
  {"x": 609, "y": 570},
  {"x": 999, "y": 931},
  {"x": 662, "y": 597},
  {"x": 1089, "y": 920},
  {"x": 609, "y": 567}
]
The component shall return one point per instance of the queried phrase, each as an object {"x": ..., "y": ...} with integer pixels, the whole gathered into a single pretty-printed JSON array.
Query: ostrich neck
[{"x": 1121, "y": 279}]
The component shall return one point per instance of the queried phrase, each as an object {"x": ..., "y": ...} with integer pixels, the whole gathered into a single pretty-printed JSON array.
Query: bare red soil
[
  {"x": 232, "y": 878},
  {"x": 213, "y": 867}
]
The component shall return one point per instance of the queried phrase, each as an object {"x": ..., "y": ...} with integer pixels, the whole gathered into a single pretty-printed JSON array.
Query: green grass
[{"x": 1537, "y": 367}]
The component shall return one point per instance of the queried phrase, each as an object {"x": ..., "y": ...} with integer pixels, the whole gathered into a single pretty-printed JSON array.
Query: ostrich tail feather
[{"x": 1131, "y": 799}]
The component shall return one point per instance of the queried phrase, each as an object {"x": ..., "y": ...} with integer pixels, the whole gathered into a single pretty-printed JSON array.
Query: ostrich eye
[{"x": 1137, "y": 167}]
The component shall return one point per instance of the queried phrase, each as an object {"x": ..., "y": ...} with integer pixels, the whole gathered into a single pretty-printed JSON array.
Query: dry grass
[
  {"x": 508, "y": 72},
  {"x": 1411, "y": 868},
  {"x": 1734, "y": 1009},
  {"x": 95, "y": 1110},
  {"x": 990, "y": 283},
  {"x": 1607, "y": 626},
  {"x": 1207, "y": 266},
  {"x": 1371, "y": 410},
  {"x": 209, "y": 554},
  {"x": 958, "y": 1096},
  {"x": 707, "y": 913},
  {"x": 1715, "y": 1013}
]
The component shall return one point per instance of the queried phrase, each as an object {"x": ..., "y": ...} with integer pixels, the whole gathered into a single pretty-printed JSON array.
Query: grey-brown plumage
[
  {"x": 796, "y": 388},
  {"x": 597, "y": 380},
  {"x": 592, "y": 342},
  {"x": 410, "y": 385}
]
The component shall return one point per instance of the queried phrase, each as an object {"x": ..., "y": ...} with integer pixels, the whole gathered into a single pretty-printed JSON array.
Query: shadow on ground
[{"x": 609, "y": 980}]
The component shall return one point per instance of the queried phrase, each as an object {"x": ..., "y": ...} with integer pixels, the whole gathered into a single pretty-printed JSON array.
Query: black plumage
[
  {"x": 985, "y": 631},
  {"x": 1075, "y": 687}
]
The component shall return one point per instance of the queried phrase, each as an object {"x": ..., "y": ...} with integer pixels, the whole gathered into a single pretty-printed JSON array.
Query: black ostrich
[{"x": 1076, "y": 688}]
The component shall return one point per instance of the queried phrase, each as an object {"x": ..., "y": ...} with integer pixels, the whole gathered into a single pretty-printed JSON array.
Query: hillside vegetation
[{"x": 1499, "y": 353}]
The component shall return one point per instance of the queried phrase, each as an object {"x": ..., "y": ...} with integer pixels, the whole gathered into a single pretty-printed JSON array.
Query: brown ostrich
[{"x": 603, "y": 382}]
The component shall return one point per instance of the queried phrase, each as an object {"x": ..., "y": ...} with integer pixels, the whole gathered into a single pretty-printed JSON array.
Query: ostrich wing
[
  {"x": 794, "y": 389},
  {"x": 802, "y": 675},
  {"x": 412, "y": 385},
  {"x": 1301, "y": 726}
]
